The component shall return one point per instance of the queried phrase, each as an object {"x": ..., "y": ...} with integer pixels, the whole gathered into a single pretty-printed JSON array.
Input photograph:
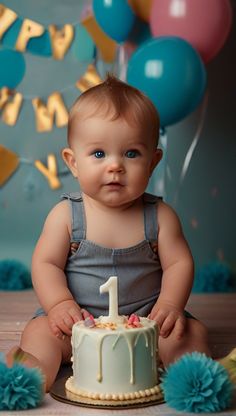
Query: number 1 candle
[{"x": 111, "y": 287}]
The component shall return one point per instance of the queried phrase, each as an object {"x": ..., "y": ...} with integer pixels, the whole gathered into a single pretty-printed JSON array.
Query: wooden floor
[{"x": 218, "y": 312}]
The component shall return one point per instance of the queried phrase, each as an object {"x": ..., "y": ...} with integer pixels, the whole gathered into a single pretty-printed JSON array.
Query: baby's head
[
  {"x": 113, "y": 136},
  {"x": 114, "y": 99}
]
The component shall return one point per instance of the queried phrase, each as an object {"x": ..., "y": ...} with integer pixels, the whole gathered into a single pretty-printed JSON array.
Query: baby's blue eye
[
  {"x": 99, "y": 154},
  {"x": 132, "y": 154}
]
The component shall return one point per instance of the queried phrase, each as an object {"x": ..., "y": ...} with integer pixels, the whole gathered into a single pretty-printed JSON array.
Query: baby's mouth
[{"x": 114, "y": 183}]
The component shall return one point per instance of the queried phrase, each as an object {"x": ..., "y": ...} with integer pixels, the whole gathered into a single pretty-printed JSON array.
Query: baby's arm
[
  {"x": 178, "y": 271},
  {"x": 48, "y": 276}
]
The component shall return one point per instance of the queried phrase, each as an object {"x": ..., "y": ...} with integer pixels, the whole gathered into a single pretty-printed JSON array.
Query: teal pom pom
[
  {"x": 20, "y": 387},
  {"x": 14, "y": 275},
  {"x": 214, "y": 277},
  {"x": 196, "y": 383}
]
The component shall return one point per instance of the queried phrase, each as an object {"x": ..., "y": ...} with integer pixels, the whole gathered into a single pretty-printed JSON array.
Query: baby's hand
[
  {"x": 62, "y": 317},
  {"x": 168, "y": 318}
]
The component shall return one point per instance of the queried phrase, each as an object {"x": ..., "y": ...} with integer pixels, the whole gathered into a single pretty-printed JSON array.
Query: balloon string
[
  {"x": 193, "y": 145},
  {"x": 118, "y": 67},
  {"x": 122, "y": 62},
  {"x": 61, "y": 91},
  {"x": 25, "y": 161},
  {"x": 157, "y": 180}
]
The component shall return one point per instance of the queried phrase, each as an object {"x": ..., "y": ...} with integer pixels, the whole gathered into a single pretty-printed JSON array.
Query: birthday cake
[{"x": 114, "y": 359}]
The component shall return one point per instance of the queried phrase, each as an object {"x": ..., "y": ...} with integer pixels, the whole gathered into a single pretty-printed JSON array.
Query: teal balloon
[
  {"x": 12, "y": 68},
  {"x": 115, "y": 17},
  {"x": 171, "y": 73}
]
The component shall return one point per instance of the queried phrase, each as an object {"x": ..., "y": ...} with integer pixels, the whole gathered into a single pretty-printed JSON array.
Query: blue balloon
[
  {"x": 171, "y": 73},
  {"x": 12, "y": 68},
  {"x": 115, "y": 17}
]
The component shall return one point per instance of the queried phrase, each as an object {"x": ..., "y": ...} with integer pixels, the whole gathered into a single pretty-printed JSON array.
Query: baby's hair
[{"x": 113, "y": 99}]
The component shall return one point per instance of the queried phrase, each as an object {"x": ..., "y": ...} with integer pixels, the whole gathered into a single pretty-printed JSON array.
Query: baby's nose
[{"x": 116, "y": 165}]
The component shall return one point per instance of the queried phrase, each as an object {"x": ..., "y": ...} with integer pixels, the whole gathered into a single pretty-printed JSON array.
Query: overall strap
[
  {"x": 78, "y": 223},
  {"x": 150, "y": 216}
]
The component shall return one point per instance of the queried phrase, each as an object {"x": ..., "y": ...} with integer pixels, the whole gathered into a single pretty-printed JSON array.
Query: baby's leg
[
  {"x": 195, "y": 338},
  {"x": 42, "y": 349}
]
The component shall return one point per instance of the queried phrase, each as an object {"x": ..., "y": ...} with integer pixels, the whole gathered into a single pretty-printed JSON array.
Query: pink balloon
[{"x": 203, "y": 23}]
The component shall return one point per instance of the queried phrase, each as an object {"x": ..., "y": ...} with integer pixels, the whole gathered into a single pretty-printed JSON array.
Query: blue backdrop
[{"x": 199, "y": 164}]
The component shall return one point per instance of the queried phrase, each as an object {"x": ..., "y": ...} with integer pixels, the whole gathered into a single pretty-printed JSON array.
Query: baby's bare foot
[
  {"x": 17, "y": 356},
  {"x": 229, "y": 362}
]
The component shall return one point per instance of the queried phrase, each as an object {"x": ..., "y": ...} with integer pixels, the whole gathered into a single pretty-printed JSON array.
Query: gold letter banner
[
  {"x": 11, "y": 103},
  {"x": 89, "y": 79},
  {"x": 7, "y": 18},
  {"x": 45, "y": 113},
  {"x": 50, "y": 172},
  {"x": 9, "y": 162},
  {"x": 29, "y": 29},
  {"x": 60, "y": 39}
]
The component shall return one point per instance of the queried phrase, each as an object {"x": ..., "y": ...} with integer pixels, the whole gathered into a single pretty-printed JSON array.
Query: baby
[{"x": 111, "y": 227}]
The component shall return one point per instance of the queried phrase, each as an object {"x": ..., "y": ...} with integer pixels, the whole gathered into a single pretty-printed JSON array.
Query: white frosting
[
  {"x": 70, "y": 385},
  {"x": 118, "y": 362}
]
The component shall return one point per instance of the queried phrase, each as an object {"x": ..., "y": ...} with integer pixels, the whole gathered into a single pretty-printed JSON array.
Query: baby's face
[{"x": 113, "y": 161}]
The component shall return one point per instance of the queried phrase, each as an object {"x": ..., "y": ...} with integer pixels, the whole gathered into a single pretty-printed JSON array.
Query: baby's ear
[
  {"x": 157, "y": 156},
  {"x": 69, "y": 158}
]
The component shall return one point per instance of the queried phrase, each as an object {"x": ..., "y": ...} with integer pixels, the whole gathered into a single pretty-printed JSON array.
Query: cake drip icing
[
  {"x": 105, "y": 352},
  {"x": 131, "y": 337}
]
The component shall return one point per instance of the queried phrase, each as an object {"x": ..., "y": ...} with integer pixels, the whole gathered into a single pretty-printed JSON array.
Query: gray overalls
[{"x": 138, "y": 267}]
